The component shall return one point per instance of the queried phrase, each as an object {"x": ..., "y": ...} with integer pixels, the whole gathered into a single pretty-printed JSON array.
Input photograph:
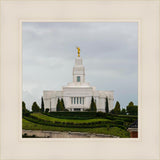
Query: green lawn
[
  {"x": 110, "y": 131},
  {"x": 53, "y": 119}
]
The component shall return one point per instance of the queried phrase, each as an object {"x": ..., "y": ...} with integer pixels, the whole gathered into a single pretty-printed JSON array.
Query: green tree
[
  {"x": 35, "y": 107},
  {"x": 59, "y": 106},
  {"x": 123, "y": 111},
  {"x": 24, "y": 110},
  {"x": 131, "y": 103},
  {"x": 112, "y": 111},
  {"x": 132, "y": 109},
  {"x": 117, "y": 108},
  {"x": 93, "y": 107},
  {"x": 106, "y": 106},
  {"x": 42, "y": 105},
  {"x": 23, "y": 106},
  {"x": 47, "y": 110},
  {"x": 62, "y": 105}
]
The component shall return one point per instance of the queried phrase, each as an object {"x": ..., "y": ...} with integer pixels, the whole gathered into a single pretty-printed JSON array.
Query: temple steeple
[{"x": 78, "y": 70}]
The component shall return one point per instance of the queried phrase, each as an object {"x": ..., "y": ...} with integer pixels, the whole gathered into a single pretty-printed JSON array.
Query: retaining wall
[{"x": 57, "y": 134}]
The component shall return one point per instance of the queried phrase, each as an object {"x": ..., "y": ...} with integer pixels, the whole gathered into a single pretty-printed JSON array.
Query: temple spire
[{"x": 78, "y": 49}]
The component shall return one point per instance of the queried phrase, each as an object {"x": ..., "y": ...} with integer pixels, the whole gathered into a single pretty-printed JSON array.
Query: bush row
[
  {"x": 73, "y": 115},
  {"x": 74, "y": 125},
  {"x": 91, "y": 115}
]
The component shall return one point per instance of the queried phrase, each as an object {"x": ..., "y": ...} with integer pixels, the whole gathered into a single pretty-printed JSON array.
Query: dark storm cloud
[{"x": 109, "y": 52}]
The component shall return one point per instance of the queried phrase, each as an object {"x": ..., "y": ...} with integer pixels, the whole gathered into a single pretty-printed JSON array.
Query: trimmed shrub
[
  {"x": 101, "y": 114},
  {"x": 47, "y": 110}
]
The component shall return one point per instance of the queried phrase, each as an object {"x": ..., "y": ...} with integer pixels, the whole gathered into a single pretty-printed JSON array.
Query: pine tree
[
  {"x": 42, "y": 105},
  {"x": 106, "y": 107},
  {"x": 59, "y": 106},
  {"x": 62, "y": 105},
  {"x": 117, "y": 108},
  {"x": 25, "y": 111},
  {"x": 23, "y": 107},
  {"x": 93, "y": 106},
  {"x": 35, "y": 107}
]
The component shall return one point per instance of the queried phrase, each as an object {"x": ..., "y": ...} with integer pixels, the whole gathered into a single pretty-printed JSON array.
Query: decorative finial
[{"x": 78, "y": 51}]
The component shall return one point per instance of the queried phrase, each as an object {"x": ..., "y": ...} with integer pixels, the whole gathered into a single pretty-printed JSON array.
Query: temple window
[
  {"x": 74, "y": 100},
  {"x": 71, "y": 100},
  {"x": 78, "y": 78}
]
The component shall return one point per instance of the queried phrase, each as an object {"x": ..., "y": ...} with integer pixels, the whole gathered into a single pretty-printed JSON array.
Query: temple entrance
[{"x": 77, "y": 109}]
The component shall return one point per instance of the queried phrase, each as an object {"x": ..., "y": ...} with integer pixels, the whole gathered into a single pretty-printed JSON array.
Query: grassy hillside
[
  {"x": 102, "y": 130},
  {"x": 102, "y": 123}
]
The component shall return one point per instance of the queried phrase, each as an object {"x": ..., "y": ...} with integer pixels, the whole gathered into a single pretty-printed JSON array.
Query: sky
[{"x": 109, "y": 51}]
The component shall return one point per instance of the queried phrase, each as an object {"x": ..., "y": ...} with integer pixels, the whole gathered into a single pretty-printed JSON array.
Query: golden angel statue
[{"x": 78, "y": 51}]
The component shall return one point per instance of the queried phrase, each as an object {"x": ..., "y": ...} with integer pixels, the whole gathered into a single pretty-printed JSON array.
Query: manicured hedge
[
  {"x": 121, "y": 121},
  {"x": 73, "y": 115},
  {"x": 38, "y": 120},
  {"x": 74, "y": 125},
  {"x": 91, "y": 115}
]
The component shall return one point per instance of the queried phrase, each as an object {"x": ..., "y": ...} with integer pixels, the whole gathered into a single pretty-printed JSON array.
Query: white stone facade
[{"x": 77, "y": 94}]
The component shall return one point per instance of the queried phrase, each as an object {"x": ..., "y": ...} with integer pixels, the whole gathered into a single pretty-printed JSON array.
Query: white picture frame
[{"x": 146, "y": 13}]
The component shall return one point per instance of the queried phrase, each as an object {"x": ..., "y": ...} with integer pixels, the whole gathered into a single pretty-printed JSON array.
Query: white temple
[{"x": 77, "y": 94}]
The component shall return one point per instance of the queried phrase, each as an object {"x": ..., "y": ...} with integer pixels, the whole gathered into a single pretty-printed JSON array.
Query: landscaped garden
[
  {"x": 114, "y": 123},
  {"x": 100, "y": 123}
]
